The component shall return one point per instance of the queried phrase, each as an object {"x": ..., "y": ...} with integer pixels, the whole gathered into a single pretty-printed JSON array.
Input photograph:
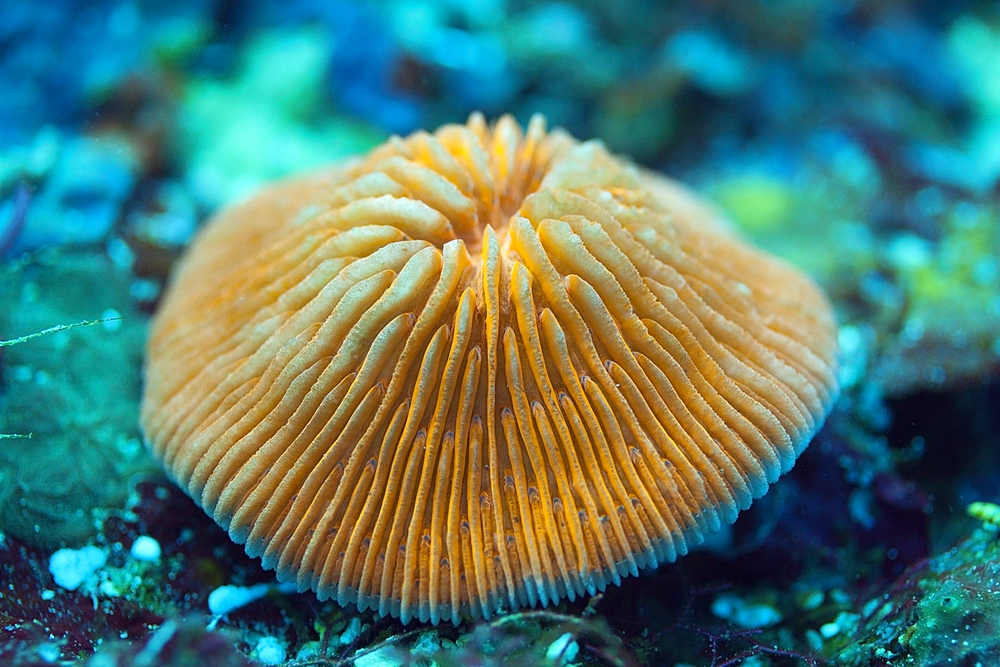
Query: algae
[
  {"x": 945, "y": 611},
  {"x": 76, "y": 392},
  {"x": 265, "y": 122}
]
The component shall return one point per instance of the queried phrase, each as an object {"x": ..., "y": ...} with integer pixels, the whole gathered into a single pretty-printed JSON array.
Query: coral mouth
[{"x": 468, "y": 177}]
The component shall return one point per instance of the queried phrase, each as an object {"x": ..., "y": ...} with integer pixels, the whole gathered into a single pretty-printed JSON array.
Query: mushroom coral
[{"x": 480, "y": 369}]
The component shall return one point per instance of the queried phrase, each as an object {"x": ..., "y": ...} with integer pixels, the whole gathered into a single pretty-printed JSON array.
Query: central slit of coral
[{"x": 472, "y": 229}]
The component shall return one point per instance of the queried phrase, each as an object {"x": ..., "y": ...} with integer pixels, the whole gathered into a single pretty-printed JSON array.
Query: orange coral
[{"x": 480, "y": 369}]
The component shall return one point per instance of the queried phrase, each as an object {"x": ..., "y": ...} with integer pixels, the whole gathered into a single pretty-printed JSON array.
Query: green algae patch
[
  {"x": 758, "y": 202},
  {"x": 943, "y": 612},
  {"x": 265, "y": 122},
  {"x": 949, "y": 327},
  {"x": 72, "y": 395}
]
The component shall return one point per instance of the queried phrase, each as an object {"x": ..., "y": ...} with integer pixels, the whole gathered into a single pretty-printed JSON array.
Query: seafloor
[{"x": 858, "y": 140}]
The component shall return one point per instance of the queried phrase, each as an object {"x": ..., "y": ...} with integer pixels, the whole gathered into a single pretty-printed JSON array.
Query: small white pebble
[
  {"x": 112, "y": 319},
  {"x": 744, "y": 614},
  {"x": 724, "y": 606},
  {"x": 144, "y": 289},
  {"x": 70, "y": 567},
  {"x": 270, "y": 651},
  {"x": 146, "y": 549},
  {"x": 813, "y": 599},
  {"x": 829, "y": 630},
  {"x": 850, "y": 339},
  {"x": 224, "y": 599},
  {"x": 120, "y": 253},
  {"x": 563, "y": 650},
  {"x": 109, "y": 589},
  {"x": 48, "y": 594},
  {"x": 351, "y": 632},
  {"x": 22, "y": 373},
  {"x": 839, "y": 596},
  {"x": 909, "y": 252},
  {"x": 757, "y": 616},
  {"x": 48, "y": 652}
]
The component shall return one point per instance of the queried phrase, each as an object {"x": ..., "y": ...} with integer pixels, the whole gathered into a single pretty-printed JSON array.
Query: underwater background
[{"x": 860, "y": 141}]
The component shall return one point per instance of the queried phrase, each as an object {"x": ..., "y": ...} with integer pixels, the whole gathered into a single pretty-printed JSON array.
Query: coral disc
[{"x": 480, "y": 369}]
